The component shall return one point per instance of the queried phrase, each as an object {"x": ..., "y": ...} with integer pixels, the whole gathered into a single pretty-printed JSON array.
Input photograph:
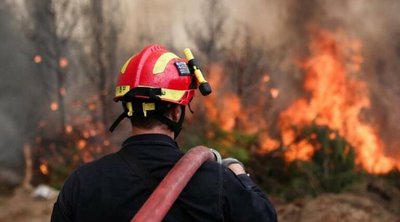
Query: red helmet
[
  {"x": 155, "y": 77},
  {"x": 155, "y": 72}
]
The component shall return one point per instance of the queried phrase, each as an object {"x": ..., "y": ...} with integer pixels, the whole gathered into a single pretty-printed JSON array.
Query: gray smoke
[
  {"x": 377, "y": 25},
  {"x": 18, "y": 96},
  {"x": 284, "y": 26}
]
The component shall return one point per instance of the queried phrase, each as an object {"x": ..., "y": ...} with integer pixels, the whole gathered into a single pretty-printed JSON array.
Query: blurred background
[{"x": 305, "y": 94}]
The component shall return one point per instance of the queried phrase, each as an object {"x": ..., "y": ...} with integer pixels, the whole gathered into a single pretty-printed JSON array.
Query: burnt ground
[
  {"x": 21, "y": 206},
  {"x": 336, "y": 207}
]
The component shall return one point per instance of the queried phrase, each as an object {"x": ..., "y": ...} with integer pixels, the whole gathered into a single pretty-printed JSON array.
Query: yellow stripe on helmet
[
  {"x": 172, "y": 94},
  {"x": 123, "y": 69},
  {"x": 163, "y": 61}
]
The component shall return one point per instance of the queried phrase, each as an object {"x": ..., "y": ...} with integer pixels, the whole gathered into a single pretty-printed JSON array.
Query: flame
[
  {"x": 44, "y": 169},
  {"x": 274, "y": 93},
  {"x": 300, "y": 151},
  {"x": 266, "y": 78},
  {"x": 92, "y": 106},
  {"x": 81, "y": 144},
  {"x": 337, "y": 99},
  {"x": 63, "y": 62},
  {"x": 222, "y": 108},
  {"x": 267, "y": 144},
  {"x": 84, "y": 138},
  {"x": 87, "y": 157},
  {"x": 229, "y": 113},
  {"x": 68, "y": 129},
  {"x": 86, "y": 134},
  {"x": 54, "y": 106},
  {"x": 63, "y": 92},
  {"x": 225, "y": 107},
  {"x": 37, "y": 59},
  {"x": 210, "y": 103},
  {"x": 106, "y": 143}
]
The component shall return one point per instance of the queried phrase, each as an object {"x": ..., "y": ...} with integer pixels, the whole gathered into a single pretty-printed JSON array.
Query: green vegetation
[
  {"x": 230, "y": 144},
  {"x": 330, "y": 169}
]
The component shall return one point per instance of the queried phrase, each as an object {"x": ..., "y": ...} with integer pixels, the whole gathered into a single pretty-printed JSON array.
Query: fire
[
  {"x": 92, "y": 106},
  {"x": 266, "y": 78},
  {"x": 54, "y": 106},
  {"x": 230, "y": 112},
  {"x": 86, "y": 134},
  {"x": 336, "y": 99},
  {"x": 81, "y": 144},
  {"x": 44, "y": 169},
  {"x": 68, "y": 129},
  {"x": 83, "y": 139},
  {"x": 267, "y": 144},
  {"x": 225, "y": 107},
  {"x": 63, "y": 62},
  {"x": 274, "y": 93},
  {"x": 37, "y": 59},
  {"x": 300, "y": 151},
  {"x": 210, "y": 103},
  {"x": 63, "y": 92}
]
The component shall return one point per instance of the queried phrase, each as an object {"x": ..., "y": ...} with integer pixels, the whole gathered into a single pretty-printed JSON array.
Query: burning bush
[
  {"x": 56, "y": 155},
  {"x": 331, "y": 166}
]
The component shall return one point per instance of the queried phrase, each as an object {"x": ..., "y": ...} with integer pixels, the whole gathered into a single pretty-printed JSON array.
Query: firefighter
[{"x": 155, "y": 86}]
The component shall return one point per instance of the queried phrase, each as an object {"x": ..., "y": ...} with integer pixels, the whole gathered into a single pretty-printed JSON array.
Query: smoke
[
  {"x": 18, "y": 95},
  {"x": 377, "y": 26},
  {"x": 285, "y": 28}
]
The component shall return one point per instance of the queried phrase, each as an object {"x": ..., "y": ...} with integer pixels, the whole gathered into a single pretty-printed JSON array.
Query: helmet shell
[{"x": 156, "y": 67}]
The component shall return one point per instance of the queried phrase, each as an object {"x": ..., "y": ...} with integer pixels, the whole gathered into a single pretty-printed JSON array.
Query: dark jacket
[{"x": 109, "y": 189}]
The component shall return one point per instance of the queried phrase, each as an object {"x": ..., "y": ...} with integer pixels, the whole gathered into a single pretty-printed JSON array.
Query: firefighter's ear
[{"x": 175, "y": 113}]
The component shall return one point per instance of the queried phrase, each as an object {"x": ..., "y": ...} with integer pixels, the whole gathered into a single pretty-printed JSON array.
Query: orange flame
[
  {"x": 63, "y": 92},
  {"x": 225, "y": 107},
  {"x": 63, "y": 62},
  {"x": 81, "y": 144},
  {"x": 229, "y": 112},
  {"x": 337, "y": 99},
  {"x": 274, "y": 93},
  {"x": 44, "y": 169},
  {"x": 54, "y": 106},
  {"x": 68, "y": 129},
  {"x": 266, "y": 78},
  {"x": 37, "y": 59}
]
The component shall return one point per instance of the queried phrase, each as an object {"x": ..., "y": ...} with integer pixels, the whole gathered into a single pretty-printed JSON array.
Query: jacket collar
[{"x": 151, "y": 139}]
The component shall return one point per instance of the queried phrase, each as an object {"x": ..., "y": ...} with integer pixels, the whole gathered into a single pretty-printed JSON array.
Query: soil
[
  {"x": 21, "y": 207},
  {"x": 336, "y": 207}
]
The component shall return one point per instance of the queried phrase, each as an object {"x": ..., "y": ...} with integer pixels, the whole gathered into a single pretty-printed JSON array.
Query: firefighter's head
[{"x": 154, "y": 86}]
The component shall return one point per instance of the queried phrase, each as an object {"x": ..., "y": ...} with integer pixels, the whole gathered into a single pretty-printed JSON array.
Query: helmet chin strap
[
  {"x": 117, "y": 121},
  {"x": 176, "y": 127}
]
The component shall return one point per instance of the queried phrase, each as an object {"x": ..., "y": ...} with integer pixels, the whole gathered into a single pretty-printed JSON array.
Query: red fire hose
[{"x": 161, "y": 200}]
